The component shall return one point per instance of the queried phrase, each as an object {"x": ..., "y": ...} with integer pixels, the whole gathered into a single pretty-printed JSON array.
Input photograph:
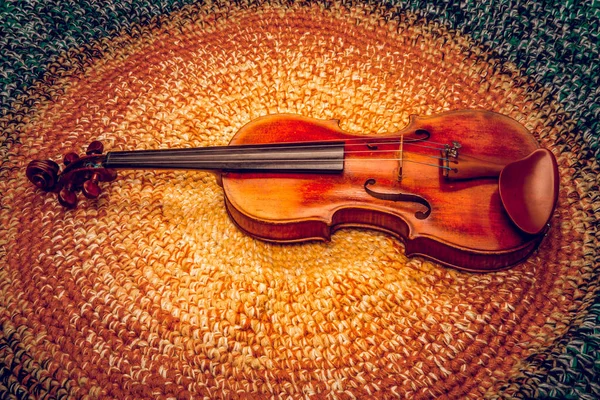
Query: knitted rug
[{"x": 150, "y": 291}]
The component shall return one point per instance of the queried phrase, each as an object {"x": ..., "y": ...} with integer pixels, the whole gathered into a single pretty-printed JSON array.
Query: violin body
[
  {"x": 469, "y": 189},
  {"x": 468, "y": 226}
]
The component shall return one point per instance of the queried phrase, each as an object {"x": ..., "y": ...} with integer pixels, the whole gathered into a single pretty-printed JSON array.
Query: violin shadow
[{"x": 449, "y": 186}]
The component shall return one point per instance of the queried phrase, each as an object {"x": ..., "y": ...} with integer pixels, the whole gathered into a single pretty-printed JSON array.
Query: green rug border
[{"x": 555, "y": 43}]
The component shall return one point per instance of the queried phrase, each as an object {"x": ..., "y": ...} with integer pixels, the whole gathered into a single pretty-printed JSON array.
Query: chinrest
[{"x": 529, "y": 190}]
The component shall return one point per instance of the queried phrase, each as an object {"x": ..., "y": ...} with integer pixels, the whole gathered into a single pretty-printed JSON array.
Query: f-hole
[
  {"x": 424, "y": 135},
  {"x": 405, "y": 197}
]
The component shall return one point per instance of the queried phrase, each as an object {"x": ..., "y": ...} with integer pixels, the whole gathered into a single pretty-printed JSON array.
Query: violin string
[
  {"x": 206, "y": 151},
  {"x": 184, "y": 162},
  {"x": 303, "y": 145},
  {"x": 182, "y": 157},
  {"x": 398, "y": 143},
  {"x": 362, "y": 141},
  {"x": 401, "y": 152},
  {"x": 412, "y": 141},
  {"x": 384, "y": 140},
  {"x": 158, "y": 155}
]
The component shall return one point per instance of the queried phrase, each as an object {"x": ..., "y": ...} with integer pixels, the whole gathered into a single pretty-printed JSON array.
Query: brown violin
[{"x": 469, "y": 189}]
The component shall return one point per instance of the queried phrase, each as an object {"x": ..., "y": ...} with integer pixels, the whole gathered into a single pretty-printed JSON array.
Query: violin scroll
[
  {"x": 43, "y": 174},
  {"x": 80, "y": 173}
]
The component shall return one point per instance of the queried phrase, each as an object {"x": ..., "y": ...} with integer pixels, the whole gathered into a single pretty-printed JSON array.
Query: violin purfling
[{"x": 470, "y": 189}]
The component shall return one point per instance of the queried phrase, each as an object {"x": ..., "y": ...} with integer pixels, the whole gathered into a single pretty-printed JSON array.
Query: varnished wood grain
[{"x": 468, "y": 227}]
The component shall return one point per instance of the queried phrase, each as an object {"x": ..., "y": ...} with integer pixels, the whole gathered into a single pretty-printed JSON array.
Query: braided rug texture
[{"x": 151, "y": 291}]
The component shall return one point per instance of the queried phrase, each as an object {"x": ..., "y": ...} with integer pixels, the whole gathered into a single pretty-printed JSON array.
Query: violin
[{"x": 469, "y": 189}]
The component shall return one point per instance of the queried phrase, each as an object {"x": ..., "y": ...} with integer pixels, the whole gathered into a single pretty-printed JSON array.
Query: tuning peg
[
  {"x": 90, "y": 188},
  {"x": 80, "y": 173},
  {"x": 67, "y": 198},
  {"x": 69, "y": 158},
  {"x": 96, "y": 147}
]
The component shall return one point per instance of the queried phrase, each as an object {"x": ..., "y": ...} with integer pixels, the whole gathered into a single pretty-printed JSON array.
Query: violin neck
[{"x": 292, "y": 157}]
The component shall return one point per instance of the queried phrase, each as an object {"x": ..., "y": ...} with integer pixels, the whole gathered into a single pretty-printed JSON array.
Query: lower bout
[{"x": 315, "y": 229}]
